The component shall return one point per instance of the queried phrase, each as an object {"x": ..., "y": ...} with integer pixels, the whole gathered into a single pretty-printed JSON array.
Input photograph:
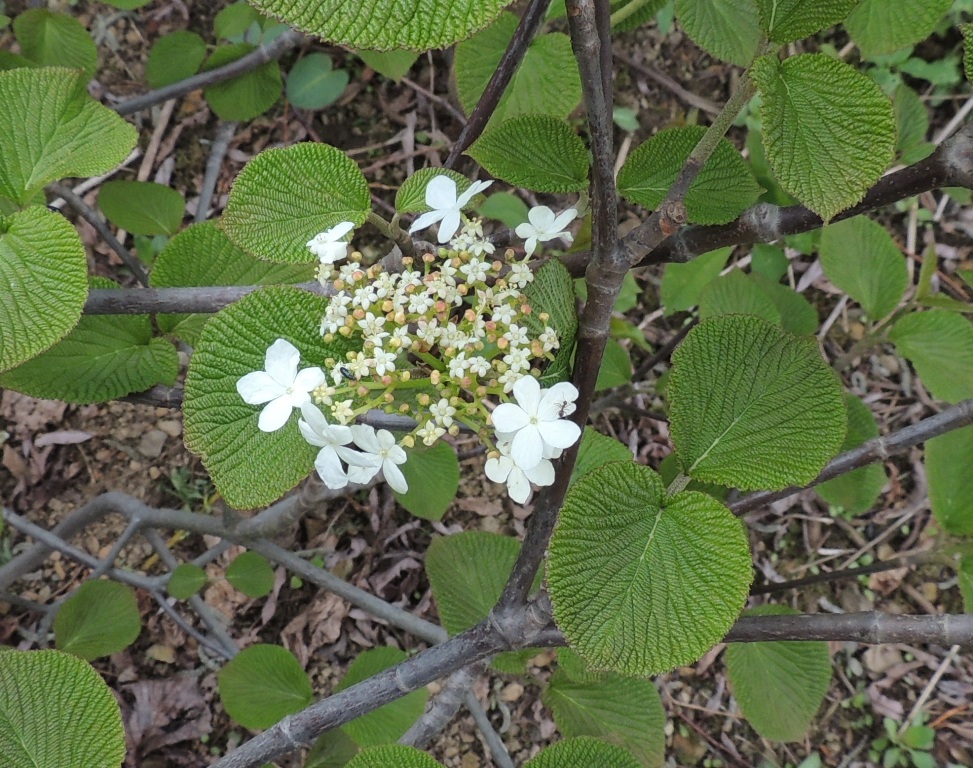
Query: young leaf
[
  {"x": 393, "y": 756},
  {"x": 583, "y": 752},
  {"x": 911, "y": 125},
  {"x": 246, "y": 96},
  {"x": 625, "y": 561},
  {"x": 682, "y": 284},
  {"x": 724, "y": 187},
  {"x": 433, "y": 478},
  {"x": 552, "y": 291},
  {"x": 411, "y": 197},
  {"x": 948, "y": 461},
  {"x": 860, "y": 257},
  {"x": 785, "y": 21},
  {"x": 536, "y": 152},
  {"x": 736, "y": 294},
  {"x": 51, "y": 128},
  {"x": 251, "y": 574},
  {"x": 262, "y": 684},
  {"x": 142, "y": 207},
  {"x": 778, "y": 416},
  {"x": 174, "y": 57},
  {"x": 769, "y": 260},
  {"x": 621, "y": 710},
  {"x": 391, "y": 64},
  {"x": 779, "y": 686},
  {"x": 332, "y": 749},
  {"x": 616, "y": 367},
  {"x": 854, "y": 144},
  {"x": 101, "y": 618},
  {"x": 312, "y": 83},
  {"x": 879, "y": 27},
  {"x": 939, "y": 344},
  {"x": 57, "y": 712},
  {"x": 186, "y": 580},
  {"x": 55, "y": 39},
  {"x": 728, "y": 29},
  {"x": 284, "y": 197},
  {"x": 387, "y": 723},
  {"x": 857, "y": 490},
  {"x": 43, "y": 285}
]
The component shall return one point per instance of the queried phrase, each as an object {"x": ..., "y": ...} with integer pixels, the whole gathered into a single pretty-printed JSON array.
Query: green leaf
[
  {"x": 682, "y": 284},
  {"x": 855, "y": 491},
  {"x": 965, "y": 575},
  {"x": 284, "y": 197},
  {"x": 100, "y": 618},
  {"x": 736, "y": 294},
  {"x": 251, "y": 468},
  {"x": 127, "y": 5},
  {"x": 948, "y": 461},
  {"x": 670, "y": 469},
  {"x": 547, "y": 82},
  {"x": 785, "y": 21},
  {"x": 232, "y": 22},
  {"x": 616, "y": 367},
  {"x": 387, "y": 723},
  {"x": 797, "y": 315},
  {"x": 433, "y": 478},
  {"x": 621, "y": 710},
  {"x": 262, "y": 684},
  {"x": 202, "y": 255},
  {"x": 246, "y": 96},
  {"x": 418, "y": 25},
  {"x": 174, "y": 57},
  {"x": 778, "y": 417},
  {"x": 769, "y": 260},
  {"x": 878, "y": 26},
  {"x": 411, "y": 197},
  {"x": 911, "y": 124},
  {"x": 103, "y": 358},
  {"x": 860, "y": 257},
  {"x": 332, "y": 749},
  {"x": 644, "y": 12},
  {"x": 724, "y": 187},
  {"x": 391, "y": 64},
  {"x": 939, "y": 344},
  {"x": 552, "y": 291},
  {"x": 536, "y": 152},
  {"x": 142, "y": 207},
  {"x": 504, "y": 207},
  {"x": 919, "y": 737},
  {"x": 597, "y": 450},
  {"x": 55, "y": 39},
  {"x": 582, "y": 752},
  {"x": 186, "y": 580},
  {"x": 625, "y": 561},
  {"x": 393, "y": 756},
  {"x": 625, "y": 118},
  {"x": 57, "y": 711},
  {"x": 826, "y": 164},
  {"x": 43, "y": 285},
  {"x": 728, "y": 29},
  {"x": 51, "y": 128},
  {"x": 967, "y": 30},
  {"x": 312, "y": 83},
  {"x": 252, "y": 574},
  {"x": 779, "y": 685}
]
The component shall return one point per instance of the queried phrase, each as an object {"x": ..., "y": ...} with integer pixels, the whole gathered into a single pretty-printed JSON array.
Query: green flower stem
[
  {"x": 433, "y": 362},
  {"x": 628, "y": 10},
  {"x": 393, "y": 232}
]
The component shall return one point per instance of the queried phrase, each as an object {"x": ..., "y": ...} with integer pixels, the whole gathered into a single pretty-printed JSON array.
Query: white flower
[
  {"x": 446, "y": 206},
  {"x": 328, "y": 246},
  {"x": 535, "y": 424},
  {"x": 504, "y": 470},
  {"x": 380, "y": 453},
  {"x": 443, "y": 412},
  {"x": 430, "y": 433},
  {"x": 544, "y": 226},
  {"x": 280, "y": 385},
  {"x": 332, "y": 439},
  {"x": 384, "y": 361}
]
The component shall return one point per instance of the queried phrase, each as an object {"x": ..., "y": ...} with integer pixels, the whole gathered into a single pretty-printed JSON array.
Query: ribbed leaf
[
  {"x": 595, "y": 450},
  {"x": 433, "y": 478},
  {"x": 785, "y": 21},
  {"x": 57, "y": 711},
  {"x": 262, "y": 684},
  {"x": 101, "y": 618},
  {"x": 387, "y": 723},
  {"x": 55, "y": 39},
  {"x": 248, "y": 95},
  {"x": 547, "y": 82},
  {"x": 682, "y": 284},
  {"x": 728, "y": 29},
  {"x": 186, "y": 580},
  {"x": 103, "y": 358},
  {"x": 202, "y": 255},
  {"x": 51, "y": 128},
  {"x": 967, "y": 30},
  {"x": 911, "y": 125},
  {"x": 418, "y": 25},
  {"x": 583, "y": 752},
  {"x": 411, "y": 197},
  {"x": 43, "y": 281},
  {"x": 753, "y": 406},
  {"x": 724, "y": 187},
  {"x": 142, "y": 207},
  {"x": 621, "y": 710},
  {"x": 643, "y": 13},
  {"x": 535, "y": 152},
  {"x": 642, "y": 583},
  {"x": 939, "y": 344},
  {"x": 393, "y": 756},
  {"x": 552, "y": 291},
  {"x": 826, "y": 164},
  {"x": 174, "y": 57},
  {"x": 949, "y": 458},
  {"x": 249, "y": 467},
  {"x": 284, "y": 197},
  {"x": 779, "y": 686},
  {"x": 879, "y": 26},
  {"x": 736, "y": 294},
  {"x": 860, "y": 257},
  {"x": 669, "y": 470},
  {"x": 251, "y": 573},
  {"x": 857, "y": 490}
]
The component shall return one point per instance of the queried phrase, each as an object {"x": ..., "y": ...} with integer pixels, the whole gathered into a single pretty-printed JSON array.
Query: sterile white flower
[
  {"x": 329, "y": 246},
  {"x": 380, "y": 453},
  {"x": 280, "y": 385},
  {"x": 542, "y": 225},
  {"x": 332, "y": 438},
  {"x": 504, "y": 470},
  {"x": 446, "y": 206},
  {"x": 534, "y": 423}
]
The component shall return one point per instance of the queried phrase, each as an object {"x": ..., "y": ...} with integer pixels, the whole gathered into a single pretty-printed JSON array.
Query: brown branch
[{"x": 845, "y": 574}]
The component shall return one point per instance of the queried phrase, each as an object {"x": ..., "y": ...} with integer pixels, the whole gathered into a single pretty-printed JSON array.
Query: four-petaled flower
[
  {"x": 329, "y": 246},
  {"x": 446, "y": 206},
  {"x": 280, "y": 385},
  {"x": 535, "y": 423},
  {"x": 380, "y": 452},
  {"x": 332, "y": 439},
  {"x": 503, "y": 469},
  {"x": 542, "y": 225}
]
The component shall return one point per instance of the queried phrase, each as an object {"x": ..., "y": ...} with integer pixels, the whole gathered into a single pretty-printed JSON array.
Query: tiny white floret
[{"x": 280, "y": 385}]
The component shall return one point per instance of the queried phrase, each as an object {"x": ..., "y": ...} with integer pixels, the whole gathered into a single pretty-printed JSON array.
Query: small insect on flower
[{"x": 343, "y": 370}]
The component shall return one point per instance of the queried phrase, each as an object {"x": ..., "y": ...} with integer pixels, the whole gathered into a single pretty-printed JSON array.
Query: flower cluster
[{"x": 439, "y": 341}]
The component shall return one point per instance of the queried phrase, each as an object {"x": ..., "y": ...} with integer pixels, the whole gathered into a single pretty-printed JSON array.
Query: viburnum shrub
[{"x": 314, "y": 351}]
